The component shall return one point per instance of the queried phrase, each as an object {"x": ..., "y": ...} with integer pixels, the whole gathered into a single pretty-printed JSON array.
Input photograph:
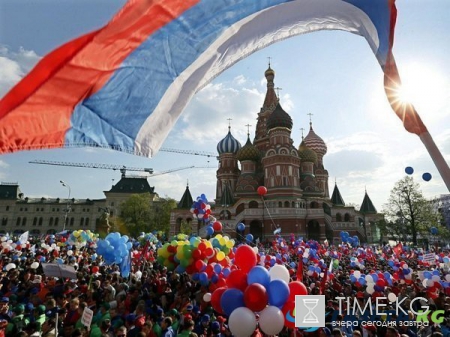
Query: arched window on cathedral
[
  {"x": 294, "y": 204},
  {"x": 347, "y": 217},
  {"x": 287, "y": 204},
  {"x": 314, "y": 204},
  {"x": 338, "y": 217},
  {"x": 253, "y": 204},
  {"x": 240, "y": 208}
]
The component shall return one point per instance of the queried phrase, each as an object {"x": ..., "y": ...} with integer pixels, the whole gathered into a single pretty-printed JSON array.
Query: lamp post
[{"x": 67, "y": 210}]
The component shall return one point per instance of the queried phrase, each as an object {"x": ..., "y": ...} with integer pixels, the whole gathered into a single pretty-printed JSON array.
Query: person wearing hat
[
  {"x": 215, "y": 329},
  {"x": 173, "y": 313},
  {"x": 4, "y": 309},
  {"x": 39, "y": 316},
  {"x": 203, "y": 327},
  {"x": 18, "y": 322}
]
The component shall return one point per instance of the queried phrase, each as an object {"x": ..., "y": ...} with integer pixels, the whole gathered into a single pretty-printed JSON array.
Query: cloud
[
  {"x": 205, "y": 119},
  {"x": 14, "y": 66}
]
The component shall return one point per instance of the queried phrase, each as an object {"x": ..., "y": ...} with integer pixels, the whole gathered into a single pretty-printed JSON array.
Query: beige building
[{"x": 40, "y": 216}]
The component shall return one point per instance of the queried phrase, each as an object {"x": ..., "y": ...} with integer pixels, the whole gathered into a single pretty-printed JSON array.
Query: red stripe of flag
[{"x": 75, "y": 71}]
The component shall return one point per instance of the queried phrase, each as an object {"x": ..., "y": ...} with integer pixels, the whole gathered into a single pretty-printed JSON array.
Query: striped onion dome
[
  {"x": 315, "y": 143},
  {"x": 306, "y": 154},
  {"x": 248, "y": 152},
  {"x": 229, "y": 144}
]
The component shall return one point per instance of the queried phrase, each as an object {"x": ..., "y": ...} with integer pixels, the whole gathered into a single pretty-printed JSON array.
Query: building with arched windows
[{"x": 297, "y": 199}]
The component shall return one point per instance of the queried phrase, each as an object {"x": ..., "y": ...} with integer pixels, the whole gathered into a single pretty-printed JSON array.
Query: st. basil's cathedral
[{"x": 297, "y": 199}]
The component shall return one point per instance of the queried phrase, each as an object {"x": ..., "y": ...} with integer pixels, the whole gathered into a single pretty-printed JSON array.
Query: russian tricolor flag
[{"x": 124, "y": 86}]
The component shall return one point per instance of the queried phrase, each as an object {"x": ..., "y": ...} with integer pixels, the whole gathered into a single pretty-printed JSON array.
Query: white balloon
[
  {"x": 370, "y": 290},
  {"x": 70, "y": 252},
  {"x": 435, "y": 278},
  {"x": 447, "y": 277},
  {"x": 357, "y": 274},
  {"x": 10, "y": 266},
  {"x": 392, "y": 297},
  {"x": 255, "y": 249},
  {"x": 207, "y": 297},
  {"x": 242, "y": 322},
  {"x": 279, "y": 272},
  {"x": 3, "y": 238},
  {"x": 34, "y": 265},
  {"x": 271, "y": 320},
  {"x": 369, "y": 279}
]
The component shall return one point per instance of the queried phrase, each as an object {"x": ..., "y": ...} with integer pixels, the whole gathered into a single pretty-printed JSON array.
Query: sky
[{"x": 332, "y": 75}]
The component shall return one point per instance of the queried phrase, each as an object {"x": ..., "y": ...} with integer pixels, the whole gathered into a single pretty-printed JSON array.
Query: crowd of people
[{"x": 156, "y": 302}]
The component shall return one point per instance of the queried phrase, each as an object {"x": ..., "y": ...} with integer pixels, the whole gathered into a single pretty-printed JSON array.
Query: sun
[{"x": 422, "y": 86}]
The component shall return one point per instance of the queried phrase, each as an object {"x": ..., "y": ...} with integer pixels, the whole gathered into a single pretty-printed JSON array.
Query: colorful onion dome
[{"x": 279, "y": 119}]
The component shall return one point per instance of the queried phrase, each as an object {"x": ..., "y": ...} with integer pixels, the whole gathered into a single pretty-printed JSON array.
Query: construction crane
[
  {"x": 196, "y": 153},
  {"x": 121, "y": 168}
]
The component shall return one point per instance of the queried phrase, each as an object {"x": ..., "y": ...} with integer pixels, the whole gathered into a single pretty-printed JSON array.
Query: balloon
[
  {"x": 241, "y": 227},
  {"x": 279, "y": 272},
  {"x": 409, "y": 170},
  {"x": 216, "y": 296},
  {"x": 207, "y": 297},
  {"x": 217, "y": 226},
  {"x": 262, "y": 190},
  {"x": 271, "y": 320},
  {"x": 237, "y": 279},
  {"x": 95, "y": 269},
  {"x": 259, "y": 274},
  {"x": 34, "y": 265},
  {"x": 296, "y": 288},
  {"x": 426, "y": 176},
  {"x": 231, "y": 299},
  {"x": 242, "y": 322},
  {"x": 255, "y": 297},
  {"x": 392, "y": 297},
  {"x": 245, "y": 258},
  {"x": 278, "y": 293},
  {"x": 10, "y": 266}
]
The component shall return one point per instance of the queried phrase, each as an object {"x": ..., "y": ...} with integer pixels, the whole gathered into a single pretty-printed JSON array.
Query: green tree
[
  {"x": 139, "y": 213},
  {"x": 160, "y": 220},
  {"x": 408, "y": 215},
  {"x": 136, "y": 213}
]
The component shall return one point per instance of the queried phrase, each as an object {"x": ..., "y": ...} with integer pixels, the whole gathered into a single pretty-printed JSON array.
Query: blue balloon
[
  {"x": 231, "y": 299},
  {"x": 426, "y": 176},
  {"x": 278, "y": 293},
  {"x": 259, "y": 274},
  {"x": 209, "y": 230},
  {"x": 249, "y": 237},
  {"x": 241, "y": 227},
  {"x": 409, "y": 170},
  {"x": 434, "y": 230},
  {"x": 427, "y": 274},
  {"x": 217, "y": 268}
]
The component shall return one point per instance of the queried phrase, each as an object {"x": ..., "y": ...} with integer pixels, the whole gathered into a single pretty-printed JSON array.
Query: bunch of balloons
[
  {"x": 196, "y": 254},
  {"x": 80, "y": 238},
  {"x": 353, "y": 241},
  {"x": 201, "y": 209},
  {"x": 114, "y": 248},
  {"x": 251, "y": 289},
  {"x": 147, "y": 237},
  {"x": 214, "y": 227}
]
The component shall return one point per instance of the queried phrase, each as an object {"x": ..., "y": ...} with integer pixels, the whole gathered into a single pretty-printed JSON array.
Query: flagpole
[{"x": 437, "y": 157}]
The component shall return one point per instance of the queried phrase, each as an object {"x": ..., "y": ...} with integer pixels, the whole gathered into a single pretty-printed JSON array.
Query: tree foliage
[
  {"x": 409, "y": 215},
  {"x": 139, "y": 213}
]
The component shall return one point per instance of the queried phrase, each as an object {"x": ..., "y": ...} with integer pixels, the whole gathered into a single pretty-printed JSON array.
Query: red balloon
[
  {"x": 381, "y": 283},
  {"x": 215, "y": 299},
  {"x": 217, "y": 226},
  {"x": 255, "y": 297},
  {"x": 296, "y": 288},
  {"x": 237, "y": 279},
  {"x": 262, "y": 190},
  {"x": 245, "y": 258},
  {"x": 95, "y": 269},
  {"x": 200, "y": 265}
]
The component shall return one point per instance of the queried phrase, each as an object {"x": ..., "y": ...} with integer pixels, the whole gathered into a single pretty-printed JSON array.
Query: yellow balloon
[
  {"x": 218, "y": 236},
  {"x": 208, "y": 244},
  {"x": 222, "y": 242},
  {"x": 230, "y": 244},
  {"x": 220, "y": 256}
]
